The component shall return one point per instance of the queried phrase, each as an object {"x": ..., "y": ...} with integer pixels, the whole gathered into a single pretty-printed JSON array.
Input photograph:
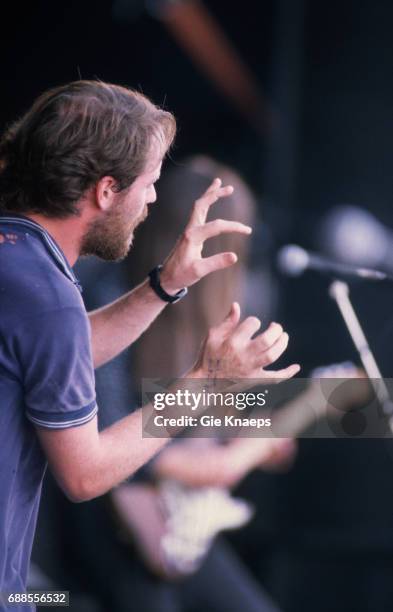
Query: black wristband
[{"x": 154, "y": 276}]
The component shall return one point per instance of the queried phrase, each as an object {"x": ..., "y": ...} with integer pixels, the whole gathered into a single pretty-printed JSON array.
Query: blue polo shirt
[{"x": 46, "y": 378}]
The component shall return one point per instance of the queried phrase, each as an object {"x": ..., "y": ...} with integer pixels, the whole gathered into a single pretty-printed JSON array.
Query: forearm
[
  {"x": 121, "y": 451},
  {"x": 87, "y": 464},
  {"x": 220, "y": 466},
  {"x": 117, "y": 325}
]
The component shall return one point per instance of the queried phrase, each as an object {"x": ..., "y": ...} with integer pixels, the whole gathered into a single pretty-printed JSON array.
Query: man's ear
[{"x": 105, "y": 192}]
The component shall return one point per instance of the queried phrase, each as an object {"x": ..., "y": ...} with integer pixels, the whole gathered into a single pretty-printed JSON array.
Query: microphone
[
  {"x": 354, "y": 235},
  {"x": 293, "y": 260}
]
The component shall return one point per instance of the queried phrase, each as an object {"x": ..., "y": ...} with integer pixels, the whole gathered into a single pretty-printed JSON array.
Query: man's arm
[
  {"x": 87, "y": 463},
  {"x": 117, "y": 325},
  {"x": 214, "y": 465}
]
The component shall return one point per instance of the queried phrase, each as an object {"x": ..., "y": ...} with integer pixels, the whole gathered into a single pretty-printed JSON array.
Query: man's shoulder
[{"x": 30, "y": 281}]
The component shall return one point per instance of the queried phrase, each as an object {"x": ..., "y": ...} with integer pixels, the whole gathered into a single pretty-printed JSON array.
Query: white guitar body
[{"x": 193, "y": 519}]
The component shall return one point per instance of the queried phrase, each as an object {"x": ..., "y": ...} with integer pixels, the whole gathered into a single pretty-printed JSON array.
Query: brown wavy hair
[{"x": 71, "y": 137}]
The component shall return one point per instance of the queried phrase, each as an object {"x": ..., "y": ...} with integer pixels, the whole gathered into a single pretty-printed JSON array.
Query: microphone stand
[{"x": 339, "y": 292}]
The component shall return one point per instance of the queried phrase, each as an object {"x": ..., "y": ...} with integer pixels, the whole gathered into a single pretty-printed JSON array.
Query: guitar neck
[{"x": 312, "y": 404}]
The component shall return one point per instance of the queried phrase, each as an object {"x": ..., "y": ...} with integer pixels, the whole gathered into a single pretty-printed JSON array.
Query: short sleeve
[{"x": 54, "y": 353}]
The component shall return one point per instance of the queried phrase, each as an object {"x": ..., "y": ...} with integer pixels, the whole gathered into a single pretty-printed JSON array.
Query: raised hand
[
  {"x": 231, "y": 351},
  {"x": 185, "y": 264}
]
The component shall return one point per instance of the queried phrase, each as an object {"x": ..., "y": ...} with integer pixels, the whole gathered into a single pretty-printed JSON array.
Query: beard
[{"x": 110, "y": 236}]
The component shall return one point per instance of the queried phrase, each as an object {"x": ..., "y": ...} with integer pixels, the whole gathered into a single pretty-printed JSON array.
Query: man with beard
[{"x": 77, "y": 174}]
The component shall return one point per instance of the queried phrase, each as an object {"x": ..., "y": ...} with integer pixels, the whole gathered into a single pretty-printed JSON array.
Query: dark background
[{"x": 325, "y": 68}]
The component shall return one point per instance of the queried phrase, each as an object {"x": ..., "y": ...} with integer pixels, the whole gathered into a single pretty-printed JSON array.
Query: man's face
[{"x": 110, "y": 236}]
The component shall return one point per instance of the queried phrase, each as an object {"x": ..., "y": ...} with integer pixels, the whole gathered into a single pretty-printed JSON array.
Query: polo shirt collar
[{"x": 51, "y": 245}]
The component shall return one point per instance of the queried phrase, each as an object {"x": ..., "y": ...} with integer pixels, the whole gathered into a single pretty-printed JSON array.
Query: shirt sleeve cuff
[{"x": 63, "y": 420}]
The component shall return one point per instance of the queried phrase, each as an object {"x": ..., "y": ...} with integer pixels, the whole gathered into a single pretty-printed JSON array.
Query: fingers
[
  {"x": 276, "y": 376},
  {"x": 214, "y": 263},
  {"x": 211, "y": 195},
  {"x": 266, "y": 348},
  {"x": 274, "y": 447},
  {"x": 233, "y": 317},
  {"x": 231, "y": 344},
  {"x": 217, "y": 227},
  {"x": 246, "y": 329},
  {"x": 265, "y": 357},
  {"x": 265, "y": 340},
  {"x": 281, "y": 456}
]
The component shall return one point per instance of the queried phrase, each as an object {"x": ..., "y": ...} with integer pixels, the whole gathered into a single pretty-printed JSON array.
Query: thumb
[{"x": 232, "y": 319}]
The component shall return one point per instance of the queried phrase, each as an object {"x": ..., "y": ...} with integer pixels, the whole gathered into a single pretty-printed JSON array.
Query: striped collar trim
[{"x": 51, "y": 245}]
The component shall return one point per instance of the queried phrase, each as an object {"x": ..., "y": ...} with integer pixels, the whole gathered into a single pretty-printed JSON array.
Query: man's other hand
[{"x": 231, "y": 350}]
